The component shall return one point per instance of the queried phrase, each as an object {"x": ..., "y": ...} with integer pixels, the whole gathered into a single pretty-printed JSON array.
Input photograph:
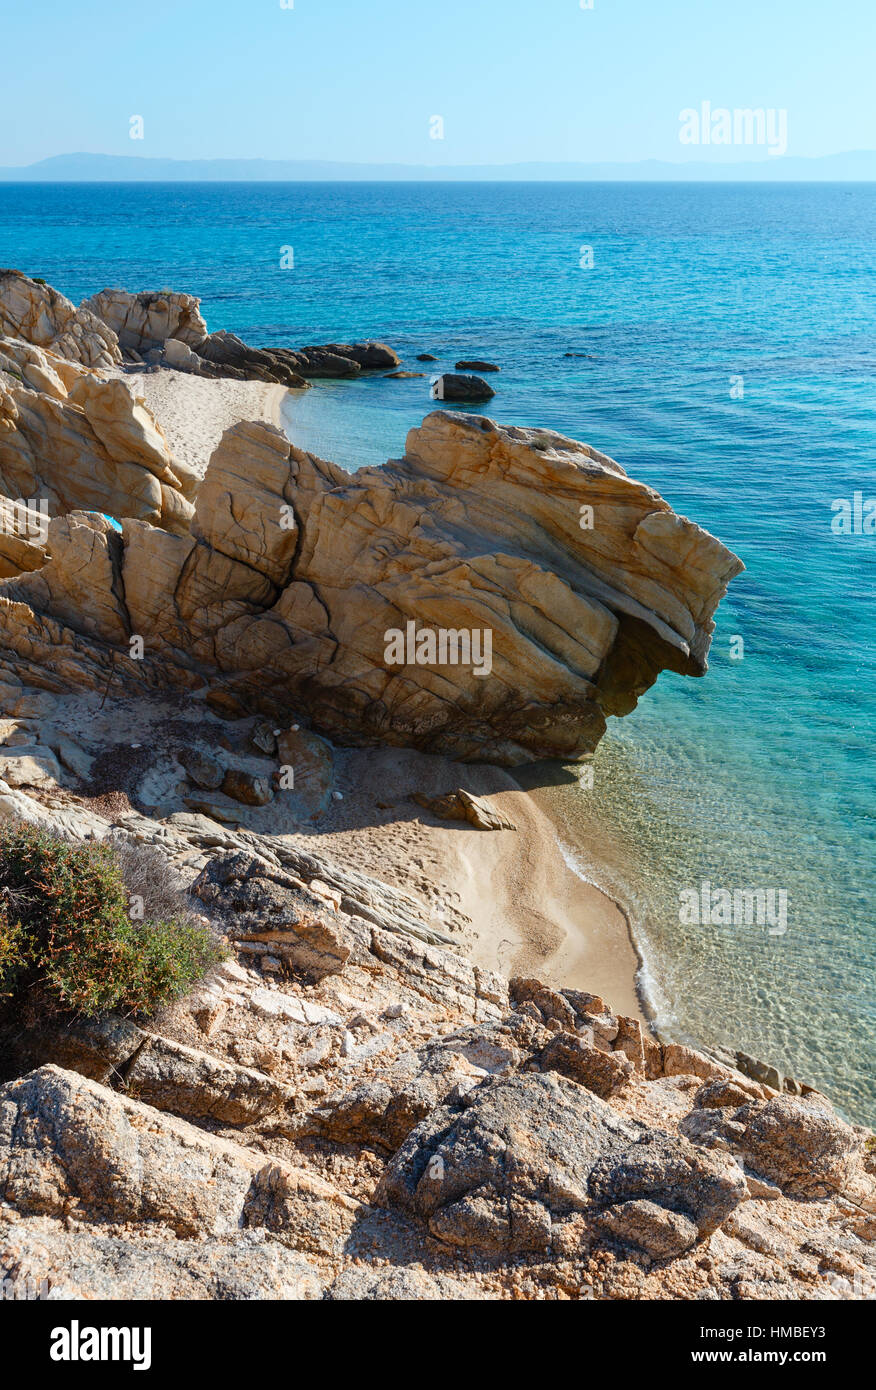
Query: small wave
[{"x": 652, "y": 997}]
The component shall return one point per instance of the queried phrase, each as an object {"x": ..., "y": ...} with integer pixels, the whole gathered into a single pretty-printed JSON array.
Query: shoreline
[{"x": 517, "y": 905}]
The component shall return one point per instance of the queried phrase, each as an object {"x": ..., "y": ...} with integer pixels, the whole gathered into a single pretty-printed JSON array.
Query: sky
[{"x": 362, "y": 80}]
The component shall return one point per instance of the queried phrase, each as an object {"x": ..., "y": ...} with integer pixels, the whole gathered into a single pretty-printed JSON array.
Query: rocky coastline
[{"x": 366, "y": 1100}]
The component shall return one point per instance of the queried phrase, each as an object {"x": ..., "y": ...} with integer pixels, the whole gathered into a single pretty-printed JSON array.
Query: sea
[{"x": 723, "y": 342}]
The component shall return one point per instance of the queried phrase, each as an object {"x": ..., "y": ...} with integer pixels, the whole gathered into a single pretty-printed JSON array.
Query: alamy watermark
[
  {"x": 719, "y": 125},
  {"x": 443, "y": 646},
  {"x": 853, "y": 516},
  {"x": 707, "y": 906},
  {"x": 24, "y": 1290},
  {"x": 78, "y": 1343},
  {"x": 27, "y": 519}
]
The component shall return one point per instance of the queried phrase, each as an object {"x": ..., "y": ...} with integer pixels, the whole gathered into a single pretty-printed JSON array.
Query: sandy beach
[
  {"x": 194, "y": 412},
  {"x": 510, "y": 895},
  {"x": 519, "y": 909}
]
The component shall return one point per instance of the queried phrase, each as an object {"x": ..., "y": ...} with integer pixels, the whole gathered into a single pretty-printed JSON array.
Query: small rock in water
[{"x": 453, "y": 386}]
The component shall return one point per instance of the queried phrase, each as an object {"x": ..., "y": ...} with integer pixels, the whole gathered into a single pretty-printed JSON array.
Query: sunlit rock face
[
  {"x": 32, "y": 310},
  {"x": 492, "y": 595}
]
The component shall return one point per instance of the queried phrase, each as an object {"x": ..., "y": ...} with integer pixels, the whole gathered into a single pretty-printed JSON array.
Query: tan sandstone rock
[
  {"x": 34, "y": 311},
  {"x": 292, "y": 576}
]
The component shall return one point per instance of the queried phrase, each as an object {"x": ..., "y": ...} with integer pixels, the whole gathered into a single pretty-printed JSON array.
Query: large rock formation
[
  {"x": 168, "y": 328},
  {"x": 32, "y": 310},
  {"x": 94, "y": 447},
  {"x": 494, "y": 594},
  {"x": 165, "y": 328},
  {"x": 451, "y": 600},
  {"x": 145, "y": 321}
]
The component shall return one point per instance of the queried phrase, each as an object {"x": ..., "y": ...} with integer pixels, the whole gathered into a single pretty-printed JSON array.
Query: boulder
[
  {"x": 98, "y": 449},
  {"x": 449, "y": 806},
  {"x": 604, "y": 1073},
  {"x": 147, "y": 320},
  {"x": 69, "y": 1144},
  {"x": 66, "y": 1141},
  {"x": 223, "y": 354},
  {"x": 265, "y": 906},
  {"x": 458, "y": 386},
  {"x": 799, "y": 1143},
  {"x": 461, "y": 805},
  {"x": 262, "y": 738},
  {"x": 157, "y": 1070},
  {"x": 477, "y": 366},
  {"x": 370, "y": 355},
  {"x": 204, "y": 770},
  {"x": 653, "y": 1229},
  {"x": 726, "y": 1091},
  {"x": 69, "y": 753},
  {"x": 247, "y": 787},
  {"x": 309, "y": 761},
  {"x": 198, "y": 1086},
  {"x": 34, "y": 367},
  {"x": 494, "y": 1174},
  {"x": 322, "y": 362},
  {"x": 384, "y": 1111},
  {"x": 704, "y": 1186},
  {"x": 29, "y": 766},
  {"x": 550, "y": 1004}
]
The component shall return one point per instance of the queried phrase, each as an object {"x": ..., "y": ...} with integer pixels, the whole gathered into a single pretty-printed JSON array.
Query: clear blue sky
[{"x": 359, "y": 79}]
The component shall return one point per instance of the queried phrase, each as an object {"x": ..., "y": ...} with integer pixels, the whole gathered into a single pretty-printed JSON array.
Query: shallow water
[{"x": 760, "y": 775}]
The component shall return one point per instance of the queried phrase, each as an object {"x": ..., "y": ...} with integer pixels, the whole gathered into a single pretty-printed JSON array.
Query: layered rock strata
[
  {"x": 494, "y": 594},
  {"x": 379, "y": 1118}
]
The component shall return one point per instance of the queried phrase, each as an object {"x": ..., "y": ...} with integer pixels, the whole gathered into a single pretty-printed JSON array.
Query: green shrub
[{"x": 69, "y": 941}]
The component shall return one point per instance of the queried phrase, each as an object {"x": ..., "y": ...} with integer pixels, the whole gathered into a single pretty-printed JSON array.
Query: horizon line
[{"x": 768, "y": 160}]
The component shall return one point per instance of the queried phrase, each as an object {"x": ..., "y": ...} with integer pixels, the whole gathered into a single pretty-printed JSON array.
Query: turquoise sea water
[{"x": 762, "y": 774}]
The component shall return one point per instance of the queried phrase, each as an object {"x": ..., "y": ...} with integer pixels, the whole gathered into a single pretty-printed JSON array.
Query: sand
[
  {"x": 194, "y": 412},
  {"x": 509, "y": 896}
]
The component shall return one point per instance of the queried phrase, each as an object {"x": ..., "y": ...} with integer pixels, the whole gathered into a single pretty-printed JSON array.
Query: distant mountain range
[{"x": 853, "y": 166}]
